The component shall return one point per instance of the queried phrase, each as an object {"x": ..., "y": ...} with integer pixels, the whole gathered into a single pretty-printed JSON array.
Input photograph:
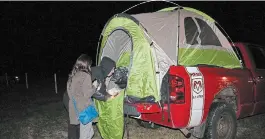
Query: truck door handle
[
  {"x": 250, "y": 81},
  {"x": 260, "y": 77}
]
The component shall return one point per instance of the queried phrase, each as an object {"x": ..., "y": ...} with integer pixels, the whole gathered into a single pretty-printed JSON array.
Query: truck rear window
[{"x": 258, "y": 56}]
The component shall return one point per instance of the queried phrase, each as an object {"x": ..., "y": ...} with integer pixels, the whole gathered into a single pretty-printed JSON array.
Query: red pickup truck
[
  {"x": 231, "y": 94},
  {"x": 183, "y": 72}
]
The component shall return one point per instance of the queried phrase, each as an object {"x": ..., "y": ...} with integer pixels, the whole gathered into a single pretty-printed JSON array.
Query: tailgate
[{"x": 136, "y": 109}]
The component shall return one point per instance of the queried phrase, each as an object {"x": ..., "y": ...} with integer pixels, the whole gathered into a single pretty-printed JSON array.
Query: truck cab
[{"x": 252, "y": 57}]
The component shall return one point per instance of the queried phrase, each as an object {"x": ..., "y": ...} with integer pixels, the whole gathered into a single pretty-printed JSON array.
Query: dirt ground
[{"x": 43, "y": 117}]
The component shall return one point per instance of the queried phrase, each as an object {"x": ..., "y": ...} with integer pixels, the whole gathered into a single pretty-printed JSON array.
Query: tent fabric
[
  {"x": 117, "y": 44},
  {"x": 111, "y": 119},
  {"x": 142, "y": 78},
  {"x": 189, "y": 9},
  {"x": 148, "y": 44},
  {"x": 163, "y": 27},
  {"x": 209, "y": 45}
]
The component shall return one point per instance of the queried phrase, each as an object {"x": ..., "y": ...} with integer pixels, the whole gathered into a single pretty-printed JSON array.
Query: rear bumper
[
  {"x": 152, "y": 112},
  {"x": 141, "y": 108},
  {"x": 130, "y": 109}
]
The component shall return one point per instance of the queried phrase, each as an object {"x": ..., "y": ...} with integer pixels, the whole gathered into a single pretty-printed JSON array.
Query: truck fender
[{"x": 228, "y": 95}]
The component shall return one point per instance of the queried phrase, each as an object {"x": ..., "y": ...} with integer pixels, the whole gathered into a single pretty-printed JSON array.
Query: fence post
[
  {"x": 6, "y": 80},
  {"x": 26, "y": 75},
  {"x": 55, "y": 83}
]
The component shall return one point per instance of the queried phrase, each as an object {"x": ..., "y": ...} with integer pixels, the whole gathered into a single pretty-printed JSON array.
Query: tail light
[{"x": 177, "y": 90}]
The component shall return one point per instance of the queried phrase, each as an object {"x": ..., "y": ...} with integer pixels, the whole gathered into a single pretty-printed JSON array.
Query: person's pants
[
  {"x": 86, "y": 131},
  {"x": 73, "y": 131}
]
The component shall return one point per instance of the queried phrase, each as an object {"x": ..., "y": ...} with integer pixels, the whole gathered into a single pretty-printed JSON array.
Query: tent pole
[
  {"x": 148, "y": 2},
  {"x": 178, "y": 33},
  {"x": 228, "y": 37},
  {"x": 98, "y": 48}
]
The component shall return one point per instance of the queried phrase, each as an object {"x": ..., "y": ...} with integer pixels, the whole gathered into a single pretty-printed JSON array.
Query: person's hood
[
  {"x": 107, "y": 65},
  {"x": 96, "y": 73},
  {"x": 100, "y": 72}
]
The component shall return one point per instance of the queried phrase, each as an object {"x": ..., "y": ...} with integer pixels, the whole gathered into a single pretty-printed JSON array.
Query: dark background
[{"x": 47, "y": 37}]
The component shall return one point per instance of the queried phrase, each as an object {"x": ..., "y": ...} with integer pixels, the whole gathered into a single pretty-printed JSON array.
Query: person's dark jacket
[{"x": 99, "y": 74}]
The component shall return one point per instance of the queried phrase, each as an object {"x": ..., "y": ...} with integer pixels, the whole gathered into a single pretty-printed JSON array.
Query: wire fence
[
  {"x": 31, "y": 90},
  {"x": 51, "y": 81}
]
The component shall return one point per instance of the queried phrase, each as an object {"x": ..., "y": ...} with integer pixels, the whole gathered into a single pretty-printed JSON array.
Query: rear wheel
[
  {"x": 221, "y": 122},
  {"x": 147, "y": 124}
]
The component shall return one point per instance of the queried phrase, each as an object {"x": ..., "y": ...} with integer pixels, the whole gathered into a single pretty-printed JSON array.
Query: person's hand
[
  {"x": 95, "y": 84},
  {"x": 99, "y": 86},
  {"x": 113, "y": 91},
  {"x": 112, "y": 97}
]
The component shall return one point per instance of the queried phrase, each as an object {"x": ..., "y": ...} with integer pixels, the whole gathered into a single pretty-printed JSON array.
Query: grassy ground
[
  {"x": 42, "y": 116},
  {"x": 49, "y": 121}
]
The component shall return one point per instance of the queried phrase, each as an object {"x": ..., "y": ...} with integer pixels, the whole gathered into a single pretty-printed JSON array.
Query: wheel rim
[{"x": 224, "y": 126}]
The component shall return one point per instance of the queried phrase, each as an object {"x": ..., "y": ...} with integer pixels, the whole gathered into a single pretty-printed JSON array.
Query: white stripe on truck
[{"x": 197, "y": 96}]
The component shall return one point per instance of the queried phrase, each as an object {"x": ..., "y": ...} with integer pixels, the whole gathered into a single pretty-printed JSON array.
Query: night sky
[{"x": 49, "y": 36}]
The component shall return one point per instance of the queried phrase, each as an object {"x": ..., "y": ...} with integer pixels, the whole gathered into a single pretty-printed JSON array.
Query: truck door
[{"x": 258, "y": 57}]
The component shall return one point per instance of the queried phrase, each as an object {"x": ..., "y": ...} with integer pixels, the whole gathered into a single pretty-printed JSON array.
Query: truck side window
[
  {"x": 207, "y": 36},
  {"x": 258, "y": 57},
  {"x": 191, "y": 31}
]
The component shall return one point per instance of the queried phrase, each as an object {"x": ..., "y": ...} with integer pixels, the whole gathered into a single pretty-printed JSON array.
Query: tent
[{"x": 149, "y": 43}]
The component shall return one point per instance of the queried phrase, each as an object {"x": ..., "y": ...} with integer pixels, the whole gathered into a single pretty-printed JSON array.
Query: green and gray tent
[{"x": 148, "y": 44}]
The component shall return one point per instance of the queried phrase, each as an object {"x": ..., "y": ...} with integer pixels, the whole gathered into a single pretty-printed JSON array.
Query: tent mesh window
[
  {"x": 191, "y": 31},
  {"x": 207, "y": 35},
  {"x": 118, "y": 44}
]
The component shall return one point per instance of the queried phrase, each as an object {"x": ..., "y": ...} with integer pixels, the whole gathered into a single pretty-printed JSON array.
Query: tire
[
  {"x": 221, "y": 122},
  {"x": 147, "y": 124}
]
